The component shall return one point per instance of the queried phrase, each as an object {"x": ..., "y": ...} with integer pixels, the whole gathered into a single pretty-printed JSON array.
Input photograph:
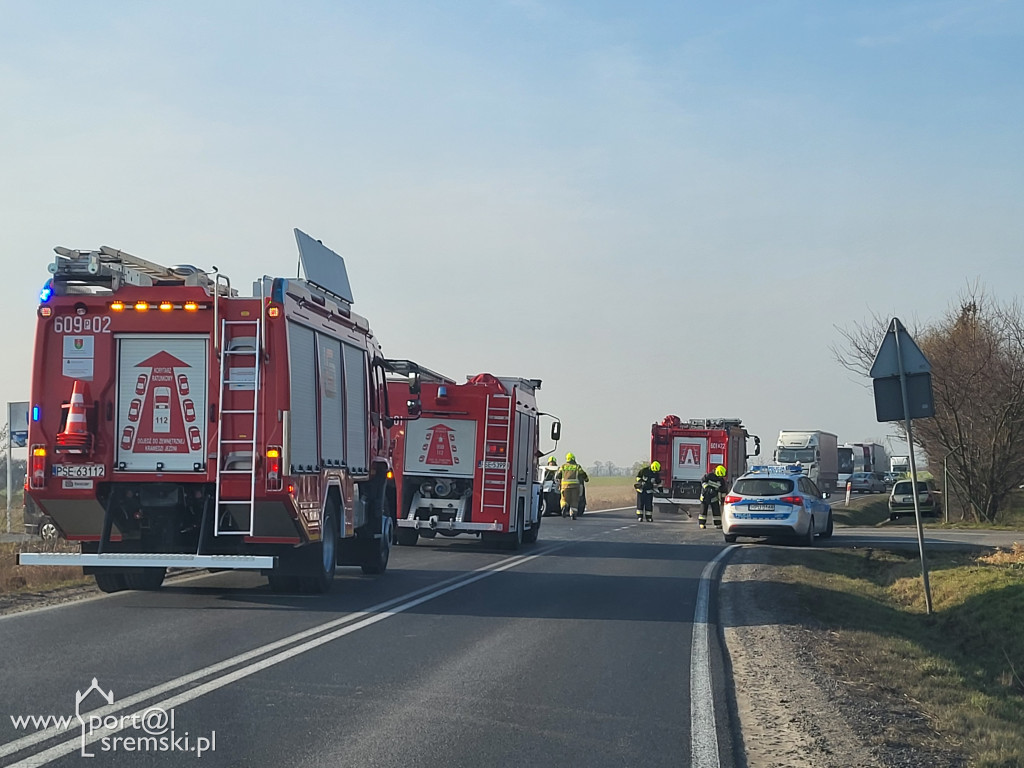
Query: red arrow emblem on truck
[
  {"x": 161, "y": 423},
  {"x": 439, "y": 447}
]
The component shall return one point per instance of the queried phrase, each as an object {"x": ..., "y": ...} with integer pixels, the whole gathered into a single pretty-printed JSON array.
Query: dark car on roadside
[
  {"x": 867, "y": 482},
  {"x": 901, "y": 499}
]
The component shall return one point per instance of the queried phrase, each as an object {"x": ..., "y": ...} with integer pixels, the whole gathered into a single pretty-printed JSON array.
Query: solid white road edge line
[
  {"x": 703, "y": 728},
  {"x": 369, "y": 616}
]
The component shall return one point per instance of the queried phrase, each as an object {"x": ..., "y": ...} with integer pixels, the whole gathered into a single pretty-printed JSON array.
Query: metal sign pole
[
  {"x": 913, "y": 474},
  {"x": 9, "y": 461}
]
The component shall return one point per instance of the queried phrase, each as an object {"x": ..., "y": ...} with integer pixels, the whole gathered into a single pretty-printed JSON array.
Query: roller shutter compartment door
[
  {"x": 332, "y": 417},
  {"x": 355, "y": 409},
  {"x": 302, "y": 375}
]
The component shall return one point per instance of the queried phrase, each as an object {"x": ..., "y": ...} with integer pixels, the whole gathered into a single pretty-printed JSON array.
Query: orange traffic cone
[{"x": 76, "y": 437}]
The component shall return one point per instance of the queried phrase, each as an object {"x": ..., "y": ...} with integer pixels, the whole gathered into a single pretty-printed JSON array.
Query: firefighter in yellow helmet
[
  {"x": 712, "y": 491},
  {"x": 571, "y": 476},
  {"x": 648, "y": 479}
]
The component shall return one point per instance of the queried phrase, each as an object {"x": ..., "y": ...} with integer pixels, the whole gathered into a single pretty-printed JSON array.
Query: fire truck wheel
[
  {"x": 283, "y": 583},
  {"x": 514, "y": 539},
  {"x": 530, "y": 536},
  {"x": 322, "y": 556},
  {"x": 110, "y": 582},
  {"x": 378, "y": 551},
  {"x": 146, "y": 579},
  {"x": 407, "y": 537}
]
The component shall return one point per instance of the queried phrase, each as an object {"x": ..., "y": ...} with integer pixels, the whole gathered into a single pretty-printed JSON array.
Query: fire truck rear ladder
[
  {"x": 497, "y": 430},
  {"x": 232, "y": 451}
]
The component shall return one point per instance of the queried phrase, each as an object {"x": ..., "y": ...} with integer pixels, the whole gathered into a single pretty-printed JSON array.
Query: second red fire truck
[
  {"x": 466, "y": 457},
  {"x": 687, "y": 450},
  {"x": 175, "y": 423}
]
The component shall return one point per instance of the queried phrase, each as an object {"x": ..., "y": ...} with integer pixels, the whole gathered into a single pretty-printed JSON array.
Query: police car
[{"x": 776, "y": 501}]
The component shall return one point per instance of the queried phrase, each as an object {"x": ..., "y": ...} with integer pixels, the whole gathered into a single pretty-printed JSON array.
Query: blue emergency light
[{"x": 46, "y": 293}]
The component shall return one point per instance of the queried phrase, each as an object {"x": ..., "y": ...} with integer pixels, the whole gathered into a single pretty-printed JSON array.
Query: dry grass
[
  {"x": 1013, "y": 557},
  {"x": 23, "y": 578},
  {"x": 953, "y": 678},
  {"x": 610, "y": 493}
]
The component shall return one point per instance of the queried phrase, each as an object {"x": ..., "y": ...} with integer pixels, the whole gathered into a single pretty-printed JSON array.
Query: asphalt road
[{"x": 580, "y": 650}]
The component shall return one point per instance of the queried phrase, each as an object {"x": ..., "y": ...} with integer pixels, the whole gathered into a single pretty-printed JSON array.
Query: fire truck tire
[
  {"x": 146, "y": 579},
  {"x": 514, "y": 539},
  {"x": 282, "y": 582},
  {"x": 378, "y": 551},
  {"x": 530, "y": 536},
  {"x": 110, "y": 582},
  {"x": 407, "y": 537},
  {"x": 322, "y": 556}
]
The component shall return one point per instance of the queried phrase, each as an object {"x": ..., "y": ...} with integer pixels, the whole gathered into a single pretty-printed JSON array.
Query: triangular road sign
[{"x": 886, "y": 363}]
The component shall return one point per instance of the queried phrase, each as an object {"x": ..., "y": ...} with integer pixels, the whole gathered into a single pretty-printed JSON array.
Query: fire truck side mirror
[
  {"x": 757, "y": 446},
  {"x": 415, "y": 409},
  {"x": 556, "y": 431},
  {"x": 414, "y": 384}
]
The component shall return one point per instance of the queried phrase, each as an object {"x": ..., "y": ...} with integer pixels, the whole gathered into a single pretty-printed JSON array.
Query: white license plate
[
  {"x": 906, "y": 499},
  {"x": 79, "y": 470},
  {"x": 761, "y": 507}
]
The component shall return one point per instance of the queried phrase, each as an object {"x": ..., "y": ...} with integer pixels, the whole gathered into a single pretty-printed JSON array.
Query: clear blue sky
[{"x": 654, "y": 207}]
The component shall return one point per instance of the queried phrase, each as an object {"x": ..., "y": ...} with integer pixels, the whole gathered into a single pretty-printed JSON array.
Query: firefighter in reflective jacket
[
  {"x": 571, "y": 476},
  {"x": 712, "y": 489},
  {"x": 648, "y": 480}
]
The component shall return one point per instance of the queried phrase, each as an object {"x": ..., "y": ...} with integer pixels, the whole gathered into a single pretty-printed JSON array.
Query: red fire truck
[
  {"x": 466, "y": 456},
  {"x": 687, "y": 450},
  {"x": 175, "y": 423}
]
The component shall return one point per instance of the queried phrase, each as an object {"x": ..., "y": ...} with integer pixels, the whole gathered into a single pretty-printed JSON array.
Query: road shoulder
[{"x": 789, "y": 712}]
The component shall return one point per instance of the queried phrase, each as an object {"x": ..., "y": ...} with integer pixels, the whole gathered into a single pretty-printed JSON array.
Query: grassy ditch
[
  {"x": 954, "y": 679},
  {"x": 19, "y": 578},
  {"x": 862, "y": 510}
]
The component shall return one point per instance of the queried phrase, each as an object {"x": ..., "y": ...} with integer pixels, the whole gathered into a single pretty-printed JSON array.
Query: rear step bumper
[
  {"x": 141, "y": 560},
  {"x": 448, "y": 525}
]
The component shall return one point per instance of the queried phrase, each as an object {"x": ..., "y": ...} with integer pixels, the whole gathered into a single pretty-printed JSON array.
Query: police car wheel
[
  {"x": 829, "y": 527},
  {"x": 808, "y": 539},
  {"x": 730, "y": 538}
]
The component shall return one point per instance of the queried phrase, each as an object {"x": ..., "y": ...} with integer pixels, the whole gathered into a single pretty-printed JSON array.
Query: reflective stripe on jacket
[{"x": 571, "y": 474}]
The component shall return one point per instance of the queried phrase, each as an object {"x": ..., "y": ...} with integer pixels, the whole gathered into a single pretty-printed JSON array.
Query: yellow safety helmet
[
  {"x": 656, "y": 466},
  {"x": 552, "y": 460},
  {"x": 570, "y": 456},
  {"x": 720, "y": 470}
]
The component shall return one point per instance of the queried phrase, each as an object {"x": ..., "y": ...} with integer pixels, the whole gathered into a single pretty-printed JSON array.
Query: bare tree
[{"x": 977, "y": 355}]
